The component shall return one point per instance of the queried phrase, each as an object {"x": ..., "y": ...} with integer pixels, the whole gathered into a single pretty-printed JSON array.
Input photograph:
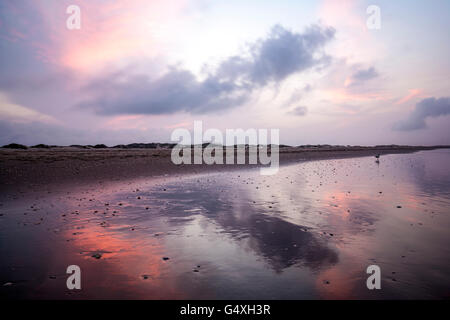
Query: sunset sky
[{"x": 138, "y": 69}]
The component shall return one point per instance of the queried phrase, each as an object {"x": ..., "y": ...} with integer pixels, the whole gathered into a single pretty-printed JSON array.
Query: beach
[
  {"x": 33, "y": 168},
  {"x": 141, "y": 228}
]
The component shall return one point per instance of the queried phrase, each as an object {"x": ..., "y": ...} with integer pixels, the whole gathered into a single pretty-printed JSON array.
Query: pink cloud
[
  {"x": 111, "y": 32},
  {"x": 179, "y": 125},
  {"x": 125, "y": 29},
  {"x": 344, "y": 96},
  {"x": 412, "y": 94},
  {"x": 354, "y": 40},
  {"x": 342, "y": 12},
  {"x": 124, "y": 122}
]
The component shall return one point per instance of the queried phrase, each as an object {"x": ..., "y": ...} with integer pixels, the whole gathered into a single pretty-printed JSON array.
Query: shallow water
[{"x": 308, "y": 232}]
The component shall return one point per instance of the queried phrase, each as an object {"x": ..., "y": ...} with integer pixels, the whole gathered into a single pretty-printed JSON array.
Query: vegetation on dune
[
  {"x": 15, "y": 146},
  {"x": 42, "y": 146}
]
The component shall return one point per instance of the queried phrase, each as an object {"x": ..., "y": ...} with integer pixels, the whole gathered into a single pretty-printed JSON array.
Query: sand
[{"x": 22, "y": 170}]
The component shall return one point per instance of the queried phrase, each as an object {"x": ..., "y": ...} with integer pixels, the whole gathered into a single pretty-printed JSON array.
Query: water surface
[{"x": 308, "y": 232}]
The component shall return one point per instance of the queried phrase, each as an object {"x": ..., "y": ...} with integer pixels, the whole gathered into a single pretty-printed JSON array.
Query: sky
[{"x": 136, "y": 70}]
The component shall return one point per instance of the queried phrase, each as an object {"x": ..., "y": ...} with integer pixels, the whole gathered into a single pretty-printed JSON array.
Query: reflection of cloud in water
[
  {"x": 351, "y": 214},
  {"x": 430, "y": 173},
  {"x": 281, "y": 243}
]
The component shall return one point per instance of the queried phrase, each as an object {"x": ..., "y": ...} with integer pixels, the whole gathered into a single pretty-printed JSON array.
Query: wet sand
[
  {"x": 308, "y": 232},
  {"x": 32, "y": 169}
]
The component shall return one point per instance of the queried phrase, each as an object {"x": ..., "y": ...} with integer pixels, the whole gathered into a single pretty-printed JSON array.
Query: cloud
[
  {"x": 270, "y": 60},
  {"x": 35, "y": 132},
  {"x": 17, "y": 113},
  {"x": 177, "y": 90},
  {"x": 365, "y": 74},
  {"x": 32, "y": 133},
  {"x": 427, "y": 108},
  {"x": 299, "y": 111},
  {"x": 297, "y": 95},
  {"x": 412, "y": 94},
  {"x": 360, "y": 76},
  {"x": 111, "y": 31},
  {"x": 278, "y": 56}
]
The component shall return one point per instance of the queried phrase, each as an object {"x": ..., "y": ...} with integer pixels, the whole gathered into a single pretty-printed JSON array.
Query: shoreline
[{"x": 22, "y": 170}]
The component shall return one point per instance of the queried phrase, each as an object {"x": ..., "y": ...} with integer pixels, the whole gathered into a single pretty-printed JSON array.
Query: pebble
[{"x": 96, "y": 255}]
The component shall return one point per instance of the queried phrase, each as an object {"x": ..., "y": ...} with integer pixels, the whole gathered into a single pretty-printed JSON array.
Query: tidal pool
[{"x": 308, "y": 232}]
